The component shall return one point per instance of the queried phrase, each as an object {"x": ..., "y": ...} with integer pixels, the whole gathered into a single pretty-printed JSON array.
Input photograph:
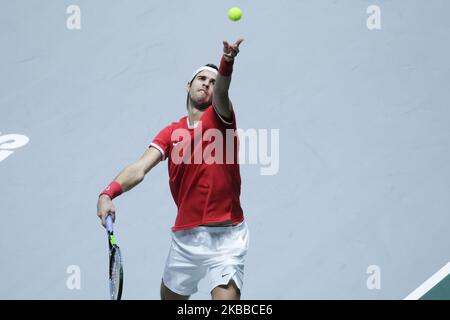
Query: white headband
[{"x": 204, "y": 68}]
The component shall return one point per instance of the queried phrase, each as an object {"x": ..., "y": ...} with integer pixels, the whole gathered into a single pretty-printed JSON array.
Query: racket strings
[{"x": 115, "y": 273}]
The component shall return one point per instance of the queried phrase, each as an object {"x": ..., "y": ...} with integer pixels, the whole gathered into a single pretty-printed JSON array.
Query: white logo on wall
[
  {"x": 73, "y": 22},
  {"x": 9, "y": 142},
  {"x": 74, "y": 280},
  {"x": 374, "y": 20},
  {"x": 374, "y": 280}
]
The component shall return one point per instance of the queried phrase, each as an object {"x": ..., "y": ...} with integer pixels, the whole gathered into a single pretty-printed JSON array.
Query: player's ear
[{"x": 188, "y": 86}]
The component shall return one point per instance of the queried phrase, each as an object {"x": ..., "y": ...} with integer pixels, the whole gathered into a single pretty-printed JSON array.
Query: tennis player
[{"x": 209, "y": 237}]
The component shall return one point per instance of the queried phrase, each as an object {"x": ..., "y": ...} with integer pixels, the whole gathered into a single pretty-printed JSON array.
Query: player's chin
[
  {"x": 203, "y": 105},
  {"x": 204, "y": 101}
]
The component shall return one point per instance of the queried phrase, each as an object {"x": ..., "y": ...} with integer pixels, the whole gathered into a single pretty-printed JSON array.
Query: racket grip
[{"x": 109, "y": 224}]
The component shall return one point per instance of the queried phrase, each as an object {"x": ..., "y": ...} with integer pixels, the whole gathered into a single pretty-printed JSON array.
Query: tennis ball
[{"x": 234, "y": 14}]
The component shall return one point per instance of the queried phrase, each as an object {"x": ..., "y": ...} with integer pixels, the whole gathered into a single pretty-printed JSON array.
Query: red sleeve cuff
[
  {"x": 226, "y": 67},
  {"x": 113, "y": 190}
]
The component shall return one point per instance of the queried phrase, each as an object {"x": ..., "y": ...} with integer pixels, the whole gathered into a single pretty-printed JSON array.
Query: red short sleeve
[
  {"x": 224, "y": 122},
  {"x": 162, "y": 141}
]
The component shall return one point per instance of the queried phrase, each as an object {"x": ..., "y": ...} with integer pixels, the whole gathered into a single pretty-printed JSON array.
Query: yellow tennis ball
[{"x": 234, "y": 14}]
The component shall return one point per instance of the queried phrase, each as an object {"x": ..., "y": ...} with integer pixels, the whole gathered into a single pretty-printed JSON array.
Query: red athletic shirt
[{"x": 204, "y": 175}]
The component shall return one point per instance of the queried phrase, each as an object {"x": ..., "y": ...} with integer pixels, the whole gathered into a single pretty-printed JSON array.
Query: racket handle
[{"x": 109, "y": 224}]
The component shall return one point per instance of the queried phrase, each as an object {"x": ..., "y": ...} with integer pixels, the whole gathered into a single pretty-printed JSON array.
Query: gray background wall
[{"x": 364, "y": 141}]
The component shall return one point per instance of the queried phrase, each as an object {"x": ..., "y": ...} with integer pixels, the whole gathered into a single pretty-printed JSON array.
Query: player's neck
[{"x": 194, "y": 114}]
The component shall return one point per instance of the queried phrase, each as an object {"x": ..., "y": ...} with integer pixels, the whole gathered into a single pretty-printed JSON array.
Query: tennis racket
[{"x": 115, "y": 263}]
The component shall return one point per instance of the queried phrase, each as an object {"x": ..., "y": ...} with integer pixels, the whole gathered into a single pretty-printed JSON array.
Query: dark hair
[
  {"x": 211, "y": 65},
  {"x": 207, "y": 65}
]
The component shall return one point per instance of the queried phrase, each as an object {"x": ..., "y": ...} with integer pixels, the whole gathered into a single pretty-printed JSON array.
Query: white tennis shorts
[{"x": 217, "y": 251}]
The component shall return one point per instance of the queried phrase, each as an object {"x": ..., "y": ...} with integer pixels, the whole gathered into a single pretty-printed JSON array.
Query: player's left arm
[{"x": 221, "y": 100}]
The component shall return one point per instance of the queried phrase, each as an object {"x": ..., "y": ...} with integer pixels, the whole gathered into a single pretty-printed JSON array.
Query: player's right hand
[
  {"x": 231, "y": 50},
  {"x": 105, "y": 207}
]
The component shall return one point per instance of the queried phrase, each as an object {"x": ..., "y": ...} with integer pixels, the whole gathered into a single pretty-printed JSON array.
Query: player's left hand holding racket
[{"x": 106, "y": 212}]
